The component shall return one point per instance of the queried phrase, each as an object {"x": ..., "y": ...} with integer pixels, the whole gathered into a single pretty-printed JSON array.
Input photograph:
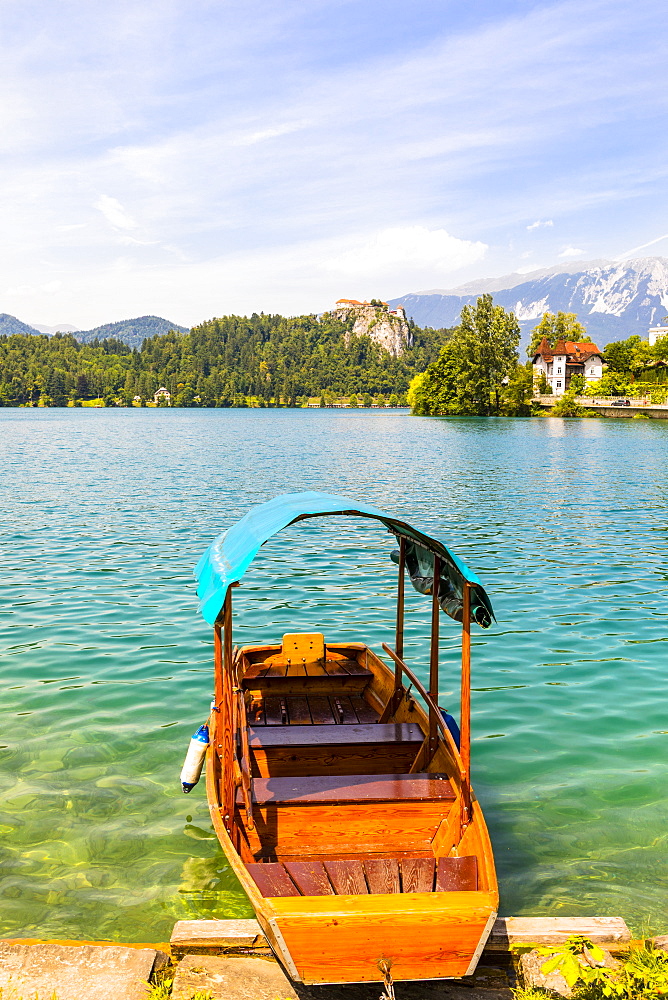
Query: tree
[
  {"x": 563, "y": 326},
  {"x": 82, "y": 388},
  {"x": 469, "y": 374},
  {"x": 628, "y": 357},
  {"x": 488, "y": 338},
  {"x": 518, "y": 392},
  {"x": 57, "y": 388},
  {"x": 578, "y": 384},
  {"x": 435, "y": 391},
  {"x": 544, "y": 387},
  {"x": 611, "y": 384},
  {"x": 367, "y": 400},
  {"x": 566, "y": 406},
  {"x": 353, "y": 401}
]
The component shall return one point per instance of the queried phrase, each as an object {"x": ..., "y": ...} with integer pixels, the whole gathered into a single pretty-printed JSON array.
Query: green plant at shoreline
[
  {"x": 567, "y": 407},
  {"x": 640, "y": 975}
]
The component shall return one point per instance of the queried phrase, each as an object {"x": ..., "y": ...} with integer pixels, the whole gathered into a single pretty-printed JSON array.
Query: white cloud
[
  {"x": 289, "y": 157},
  {"x": 251, "y": 138},
  {"x": 30, "y": 291},
  {"x": 114, "y": 213},
  {"x": 406, "y": 247},
  {"x": 643, "y": 246}
]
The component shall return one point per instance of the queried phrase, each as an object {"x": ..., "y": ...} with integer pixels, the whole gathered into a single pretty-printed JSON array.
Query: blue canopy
[{"x": 229, "y": 556}]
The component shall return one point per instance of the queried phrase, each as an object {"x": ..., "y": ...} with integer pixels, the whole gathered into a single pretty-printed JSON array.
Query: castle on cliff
[{"x": 385, "y": 326}]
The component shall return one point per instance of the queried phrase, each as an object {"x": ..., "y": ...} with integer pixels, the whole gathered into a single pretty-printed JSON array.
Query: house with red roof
[{"x": 565, "y": 359}]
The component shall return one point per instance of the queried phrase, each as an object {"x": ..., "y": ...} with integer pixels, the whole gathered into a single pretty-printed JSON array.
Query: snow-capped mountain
[{"x": 612, "y": 300}]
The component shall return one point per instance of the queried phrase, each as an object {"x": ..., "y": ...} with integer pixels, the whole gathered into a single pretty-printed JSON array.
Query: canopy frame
[{"x": 453, "y": 588}]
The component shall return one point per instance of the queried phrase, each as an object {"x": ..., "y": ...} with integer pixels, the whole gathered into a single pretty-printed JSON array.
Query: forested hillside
[
  {"x": 132, "y": 332},
  {"x": 223, "y": 362}
]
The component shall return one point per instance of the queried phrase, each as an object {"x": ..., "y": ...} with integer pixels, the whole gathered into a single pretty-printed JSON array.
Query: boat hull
[{"x": 342, "y": 939}]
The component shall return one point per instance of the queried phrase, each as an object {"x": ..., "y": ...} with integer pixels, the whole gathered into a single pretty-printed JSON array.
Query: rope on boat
[{"x": 385, "y": 965}]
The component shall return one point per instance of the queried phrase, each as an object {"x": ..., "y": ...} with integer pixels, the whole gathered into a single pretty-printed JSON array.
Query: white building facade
[
  {"x": 567, "y": 358},
  {"x": 656, "y": 333}
]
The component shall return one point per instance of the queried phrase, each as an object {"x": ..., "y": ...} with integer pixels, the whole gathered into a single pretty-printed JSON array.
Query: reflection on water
[{"x": 106, "y": 665}]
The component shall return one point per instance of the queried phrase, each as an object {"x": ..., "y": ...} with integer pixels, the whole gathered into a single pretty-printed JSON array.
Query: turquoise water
[{"x": 106, "y": 665}]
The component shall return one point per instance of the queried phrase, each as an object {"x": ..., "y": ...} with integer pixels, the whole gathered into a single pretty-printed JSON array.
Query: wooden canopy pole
[
  {"x": 465, "y": 702},
  {"x": 433, "y": 659},
  {"x": 399, "y": 639},
  {"x": 226, "y": 743},
  {"x": 394, "y": 700},
  {"x": 217, "y": 665}
]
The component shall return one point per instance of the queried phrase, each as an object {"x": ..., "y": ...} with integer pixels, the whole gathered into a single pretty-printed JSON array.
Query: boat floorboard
[
  {"x": 357, "y": 877},
  {"x": 303, "y": 708}
]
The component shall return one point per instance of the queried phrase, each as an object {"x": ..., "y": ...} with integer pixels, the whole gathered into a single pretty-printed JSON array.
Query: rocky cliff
[{"x": 385, "y": 326}]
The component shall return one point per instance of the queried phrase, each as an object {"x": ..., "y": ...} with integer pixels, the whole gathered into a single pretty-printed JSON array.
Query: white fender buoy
[{"x": 192, "y": 766}]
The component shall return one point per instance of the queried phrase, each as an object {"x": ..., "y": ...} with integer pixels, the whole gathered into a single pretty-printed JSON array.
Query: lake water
[{"x": 106, "y": 664}]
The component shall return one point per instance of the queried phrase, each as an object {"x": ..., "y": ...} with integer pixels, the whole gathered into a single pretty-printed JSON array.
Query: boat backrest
[{"x": 303, "y": 647}]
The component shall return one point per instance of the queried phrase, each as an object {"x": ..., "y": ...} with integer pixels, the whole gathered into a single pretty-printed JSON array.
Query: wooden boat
[{"x": 336, "y": 787}]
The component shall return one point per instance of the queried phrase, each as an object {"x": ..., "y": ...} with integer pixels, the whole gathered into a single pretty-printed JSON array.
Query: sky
[{"x": 195, "y": 159}]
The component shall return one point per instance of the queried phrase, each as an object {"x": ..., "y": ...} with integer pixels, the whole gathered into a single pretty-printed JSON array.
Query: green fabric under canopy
[{"x": 229, "y": 556}]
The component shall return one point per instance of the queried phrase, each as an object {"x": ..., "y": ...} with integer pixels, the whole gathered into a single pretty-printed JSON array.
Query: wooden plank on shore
[
  {"x": 214, "y": 936},
  {"x": 610, "y": 932},
  {"x": 217, "y": 934}
]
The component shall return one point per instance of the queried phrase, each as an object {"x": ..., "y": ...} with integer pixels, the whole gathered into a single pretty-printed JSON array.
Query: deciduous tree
[{"x": 563, "y": 326}]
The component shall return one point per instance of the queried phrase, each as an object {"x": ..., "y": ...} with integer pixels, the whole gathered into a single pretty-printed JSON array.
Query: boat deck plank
[
  {"x": 457, "y": 874},
  {"x": 321, "y": 711},
  {"x": 382, "y": 875},
  {"x": 273, "y": 880},
  {"x": 417, "y": 874},
  {"x": 310, "y": 877},
  {"x": 347, "y": 877},
  {"x": 326, "y": 876}
]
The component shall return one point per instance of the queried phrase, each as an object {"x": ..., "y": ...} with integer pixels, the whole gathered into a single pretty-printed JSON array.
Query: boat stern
[{"x": 342, "y": 939}]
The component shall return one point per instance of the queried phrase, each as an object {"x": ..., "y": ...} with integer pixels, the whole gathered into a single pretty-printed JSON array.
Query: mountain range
[
  {"x": 131, "y": 331},
  {"x": 613, "y": 300}
]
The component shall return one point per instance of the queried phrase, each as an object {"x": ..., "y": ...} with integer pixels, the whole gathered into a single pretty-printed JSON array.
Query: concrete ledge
[{"x": 76, "y": 973}]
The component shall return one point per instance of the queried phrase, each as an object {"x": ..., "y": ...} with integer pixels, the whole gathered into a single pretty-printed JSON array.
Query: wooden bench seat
[
  {"x": 323, "y": 877},
  {"x": 389, "y": 813},
  {"x": 304, "y": 736},
  {"x": 362, "y": 788},
  {"x": 286, "y": 751}
]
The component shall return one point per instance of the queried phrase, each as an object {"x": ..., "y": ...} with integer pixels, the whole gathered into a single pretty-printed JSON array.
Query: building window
[
  {"x": 558, "y": 371},
  {"x": 558, "y": 385}
]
